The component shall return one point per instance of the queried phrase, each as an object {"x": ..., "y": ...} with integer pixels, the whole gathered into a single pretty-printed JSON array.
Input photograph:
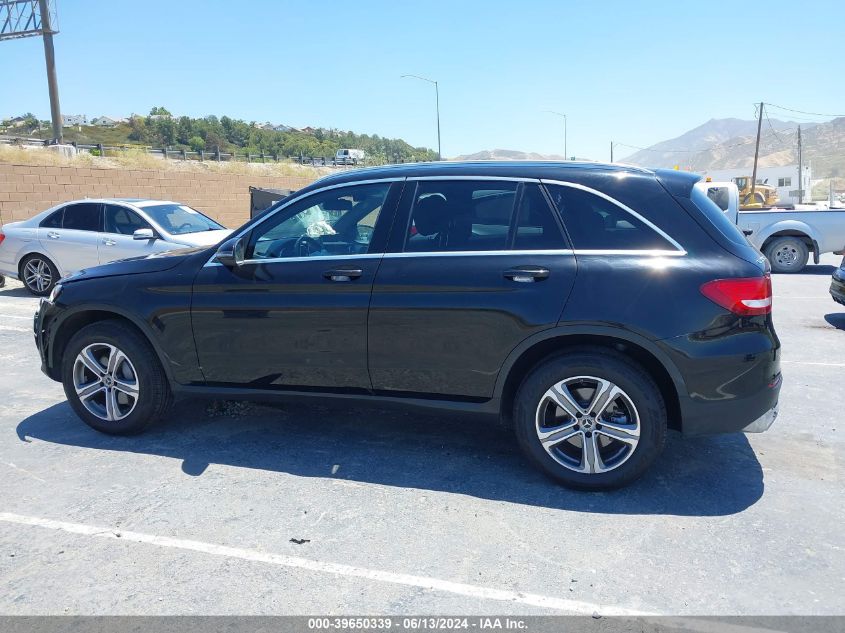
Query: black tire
[
  {"x": 787, "y": 254},
  {"x": 639, "y": 389},
  {"x": 39, "y": 262},
  {"x": 154, "y": 396},
  {"x": 2, "y": 281}
]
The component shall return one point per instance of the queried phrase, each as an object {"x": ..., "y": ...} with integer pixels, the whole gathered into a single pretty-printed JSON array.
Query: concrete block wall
[{"x": 26, "y": 190}]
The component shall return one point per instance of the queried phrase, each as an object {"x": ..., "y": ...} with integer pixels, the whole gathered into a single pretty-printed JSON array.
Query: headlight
[{"x": 54, "y": 294}]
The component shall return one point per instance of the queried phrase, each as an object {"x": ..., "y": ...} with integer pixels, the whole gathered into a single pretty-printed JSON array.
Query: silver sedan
[{"x": 85, "y": 233}]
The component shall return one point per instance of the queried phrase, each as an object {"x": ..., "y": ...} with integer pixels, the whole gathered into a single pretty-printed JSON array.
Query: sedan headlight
[{"x": 54, "y": 294}]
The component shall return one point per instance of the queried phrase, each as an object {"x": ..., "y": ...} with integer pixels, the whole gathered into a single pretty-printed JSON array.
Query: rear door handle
[
  {"x": 526, "y": 274},
  {"x": 343, "y": 274},
  {"x": 53, "y": 235},
  {"x": 109, "y": 242}
]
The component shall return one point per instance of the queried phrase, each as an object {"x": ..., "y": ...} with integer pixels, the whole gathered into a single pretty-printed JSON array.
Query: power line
[
  {"x": 772, "y": 127},
  {"x": 803, "y": 112}
]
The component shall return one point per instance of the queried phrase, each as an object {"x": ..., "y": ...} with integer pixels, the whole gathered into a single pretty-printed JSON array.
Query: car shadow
[
  {"x": 16, "y": 291},
  {"x": 836, "y": 319},
  {"x": 818, "y": 269},
  {"x": 710, "y": 476}
]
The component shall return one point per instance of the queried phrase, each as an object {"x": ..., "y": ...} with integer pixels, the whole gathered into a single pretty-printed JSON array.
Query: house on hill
[
  {"x": 72, "y": 120},
  {"x": 104, "y": 121}
]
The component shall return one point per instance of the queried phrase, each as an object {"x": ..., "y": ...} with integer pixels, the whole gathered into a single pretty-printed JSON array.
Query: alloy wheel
[
  {"x": 37, "y": 275},
  {"x": 588, "y": 424},
  {"x": 105, "y": 382}
]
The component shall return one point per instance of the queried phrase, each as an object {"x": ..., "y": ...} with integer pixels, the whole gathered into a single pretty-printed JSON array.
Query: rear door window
[
  {"x": 595, "y": 223},
  {"x": 536, "y": 225},
  {"x": 461, "y": 215},
  {"x": 84, "y": 216}
]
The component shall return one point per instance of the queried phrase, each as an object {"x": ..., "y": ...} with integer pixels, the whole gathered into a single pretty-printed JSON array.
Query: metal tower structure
[{"x": 28, "y": 18}]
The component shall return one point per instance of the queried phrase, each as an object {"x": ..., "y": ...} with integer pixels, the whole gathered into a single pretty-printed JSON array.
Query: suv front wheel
[
  {"x": 591, "y": 420},
  {"x": 113, "y": 378}
]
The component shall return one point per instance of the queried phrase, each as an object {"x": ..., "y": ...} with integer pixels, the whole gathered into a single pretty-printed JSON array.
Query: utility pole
[
  {"x": 611, "y": 151},
  {"x": 52, "y": 81},
  {"x": 800, "y": 170},
  {"x": 756, "y": 153},
  {"x": 28, "y": 18}
]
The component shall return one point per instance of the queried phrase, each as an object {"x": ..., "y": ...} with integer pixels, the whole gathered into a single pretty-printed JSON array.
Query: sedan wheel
[
  {"x": 38, "y": 276},
  {"x": 105, "y": 382}
]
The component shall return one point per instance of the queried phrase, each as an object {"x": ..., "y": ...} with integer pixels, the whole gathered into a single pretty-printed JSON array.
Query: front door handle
[
  {"x": 526, "y": 274},
  {"x": 53, "y": 235},
  {"x": 109, "y": 242},
  {"x": 343, "y": 274}
]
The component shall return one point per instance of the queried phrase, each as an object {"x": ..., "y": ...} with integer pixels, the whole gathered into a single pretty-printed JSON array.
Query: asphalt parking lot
[{"x": 238, "y": 509}]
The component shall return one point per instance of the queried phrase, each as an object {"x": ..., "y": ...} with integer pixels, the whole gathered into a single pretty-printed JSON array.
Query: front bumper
[
  {"x": 41, "y": 324},
  {"x": 837, "y": 286}
]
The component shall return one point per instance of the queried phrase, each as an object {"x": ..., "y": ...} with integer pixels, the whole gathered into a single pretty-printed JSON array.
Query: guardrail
[{"x": 166, "y": 153}]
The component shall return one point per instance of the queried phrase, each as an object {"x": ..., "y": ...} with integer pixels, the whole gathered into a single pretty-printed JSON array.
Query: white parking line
[
  {"x": 282, "y": 560},
  {"x": 15, "y": 316},
  {"x": 10, "y": 328},
  {"x": 808, "y": 362}
]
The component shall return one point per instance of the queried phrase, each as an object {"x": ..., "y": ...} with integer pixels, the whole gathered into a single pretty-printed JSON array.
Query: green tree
[{"x": 197, "y": 143}]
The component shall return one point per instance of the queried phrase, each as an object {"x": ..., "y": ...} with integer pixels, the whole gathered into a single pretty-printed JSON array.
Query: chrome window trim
[
  {"x": 624, "y": 207},
  {"x": 315, "y": 258},
  {"x": 520, "y": 253},
  {"x": 295, "y": 199},
  {"x": 482, "y": 178},
  {"x": 629, "y": 252}
]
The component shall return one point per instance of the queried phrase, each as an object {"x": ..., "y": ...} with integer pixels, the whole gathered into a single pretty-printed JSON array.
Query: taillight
[
  {"x": 745, "y": 296},
  {"x": 2, "y": 237}
]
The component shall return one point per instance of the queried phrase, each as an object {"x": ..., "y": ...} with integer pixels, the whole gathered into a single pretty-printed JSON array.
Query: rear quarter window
[
  {"x": 595, "y": 223},
  {"x": 717, "y": 217}
]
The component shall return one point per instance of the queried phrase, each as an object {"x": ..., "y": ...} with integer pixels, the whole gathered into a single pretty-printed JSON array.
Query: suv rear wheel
[
  {"x": 592, "y": 420},
  {"x": 113, "y": 378}
]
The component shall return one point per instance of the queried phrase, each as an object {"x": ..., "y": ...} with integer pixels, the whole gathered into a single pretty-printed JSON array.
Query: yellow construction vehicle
[{"x": 764, "y": 195}]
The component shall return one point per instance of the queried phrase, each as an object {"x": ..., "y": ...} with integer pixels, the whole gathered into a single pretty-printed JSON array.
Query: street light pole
[
  {"x": 437, "y": 106},
  {"x": 565, "y": 151}
]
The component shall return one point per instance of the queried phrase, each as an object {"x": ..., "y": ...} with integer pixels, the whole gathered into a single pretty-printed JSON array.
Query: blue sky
[{"x": 633, "y": 71}]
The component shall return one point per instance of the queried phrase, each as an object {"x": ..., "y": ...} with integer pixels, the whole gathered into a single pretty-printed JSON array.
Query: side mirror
[
  {"x": 144, "y": 234},
  {"x": 231, "y": 252}
]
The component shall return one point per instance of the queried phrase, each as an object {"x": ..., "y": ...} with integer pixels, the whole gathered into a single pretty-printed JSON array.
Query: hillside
[
  {"x": 207, "y": 133},
  {"x": 729, "y": 143},
  {"x": 507, "y": 154}
]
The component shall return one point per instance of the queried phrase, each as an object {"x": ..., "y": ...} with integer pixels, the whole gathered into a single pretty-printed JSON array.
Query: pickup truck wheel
[
  {"x": 591, "y": 420},
  {"x": 113, "y": 378},
  {"x": 787, "y": 254}
]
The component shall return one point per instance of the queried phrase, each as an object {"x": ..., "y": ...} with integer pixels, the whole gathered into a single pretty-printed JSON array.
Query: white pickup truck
[{"x": 785, "y": 236}]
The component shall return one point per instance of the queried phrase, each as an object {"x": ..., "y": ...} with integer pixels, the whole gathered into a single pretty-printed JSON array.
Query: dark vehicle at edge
[
  {"x": 589, "y": 306},
  {"x": 837, "y": 284}
]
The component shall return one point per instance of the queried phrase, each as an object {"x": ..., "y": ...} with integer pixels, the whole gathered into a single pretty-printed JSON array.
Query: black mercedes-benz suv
[{"x": 589, "y": 306}]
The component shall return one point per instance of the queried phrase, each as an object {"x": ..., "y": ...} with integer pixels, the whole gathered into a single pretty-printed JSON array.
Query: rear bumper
[
  {"x": 731, "y": 383},
  {"x": 763, "y": 423}
]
